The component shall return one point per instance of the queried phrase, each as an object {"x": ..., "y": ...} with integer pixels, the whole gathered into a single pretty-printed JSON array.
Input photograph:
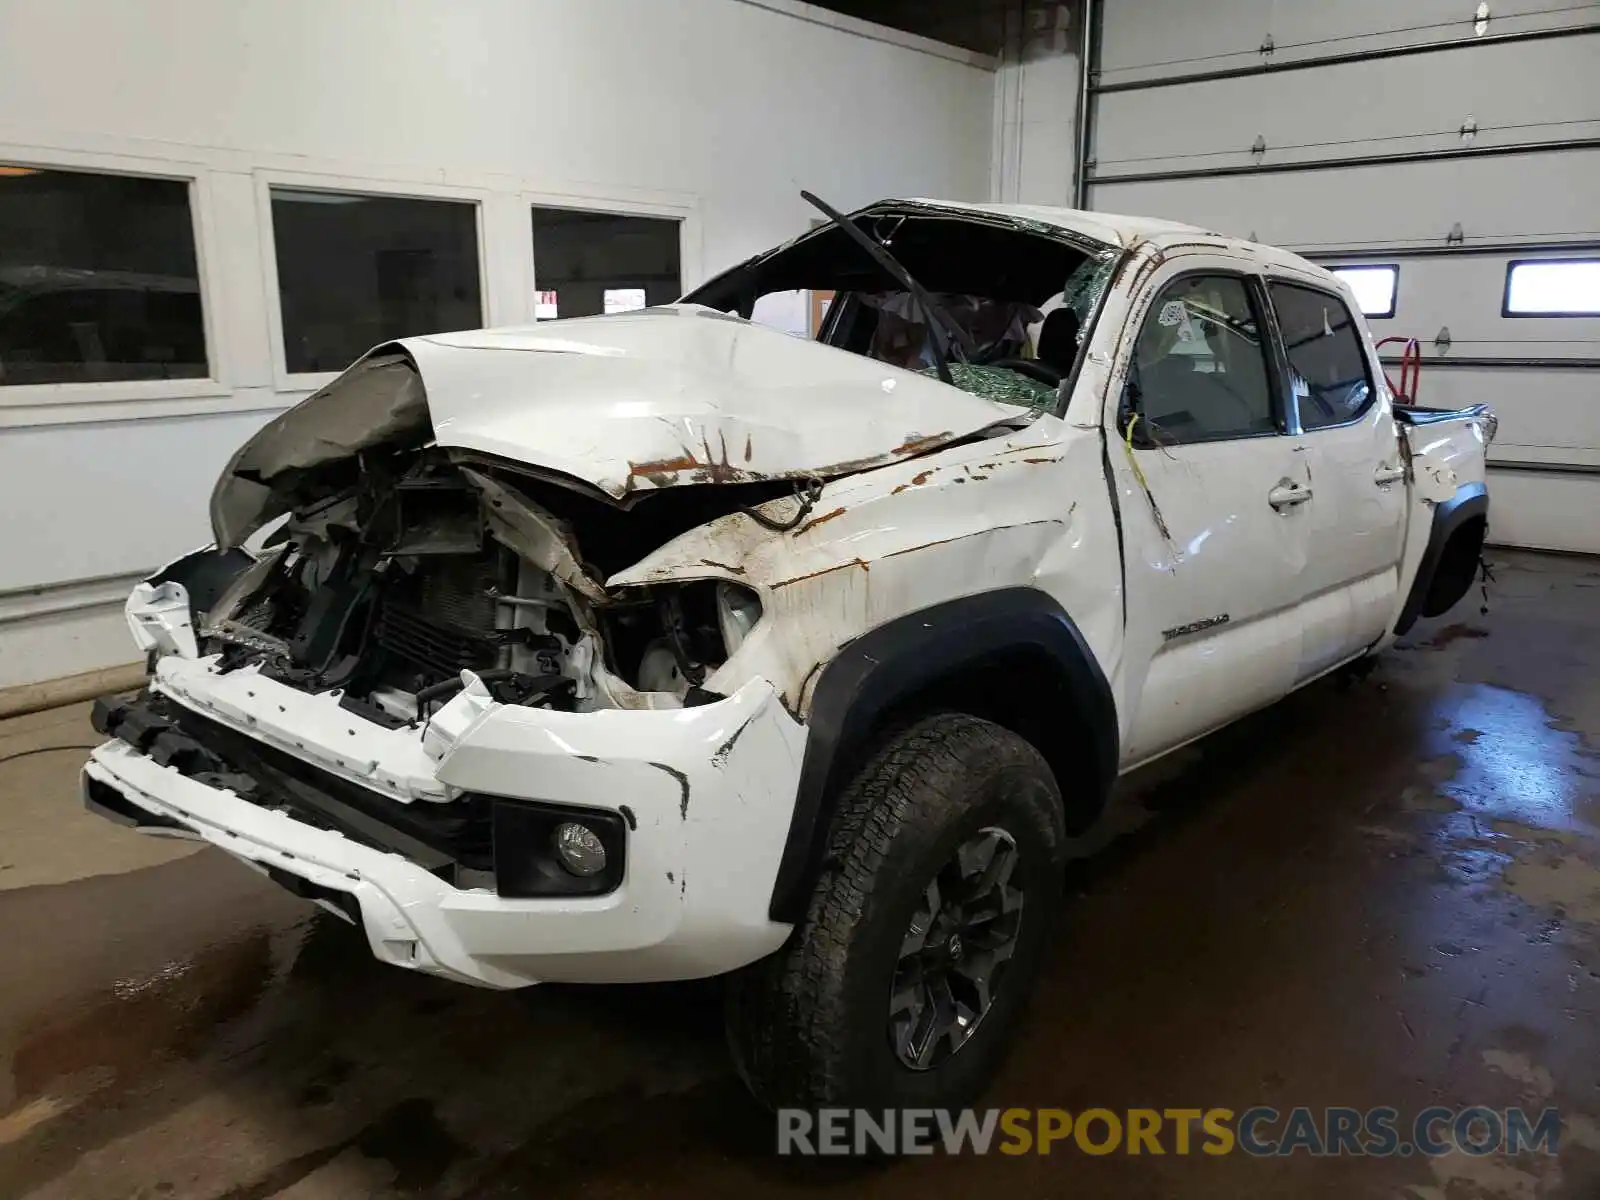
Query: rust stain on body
[
  {"x": 706, "y": 465},
  {"x": 823, "y": 519},
  {"x": 916, "y": 443},
  {"x": 854, "y": 562},
  {"x": 711, "y": 562},
  {"x": 866, "y": 566},
  {"x": 961, "y": 537},
  {"x": 663, "y": 472},
  {"x": 664, "y": 466}
]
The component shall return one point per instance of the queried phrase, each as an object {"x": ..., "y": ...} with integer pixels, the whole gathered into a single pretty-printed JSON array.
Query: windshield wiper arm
[{"x": 931, "y": 309}]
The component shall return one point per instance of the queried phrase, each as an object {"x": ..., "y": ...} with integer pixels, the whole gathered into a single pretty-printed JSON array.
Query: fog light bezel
[
  {"x": 527, "y": 864},
  {"x": 565, "y": 854}
]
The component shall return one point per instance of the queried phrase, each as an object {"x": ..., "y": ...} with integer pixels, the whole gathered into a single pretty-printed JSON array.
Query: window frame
[
  {"x": 1394, "y": 293},
  {"x": 285, "y": 380},
  {"x": 1296, "y": 426},
  {"x": 166, "y": 393},
  {"x": 1505, "y": 294},
  {"x": 1276, "y": 374},
  {"x": 663, "y": 206}
]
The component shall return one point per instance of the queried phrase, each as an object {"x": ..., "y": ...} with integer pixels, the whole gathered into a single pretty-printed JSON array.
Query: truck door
[
  {"x": 1213, "y": 499},
  {"x": 1343, "y": 427}
]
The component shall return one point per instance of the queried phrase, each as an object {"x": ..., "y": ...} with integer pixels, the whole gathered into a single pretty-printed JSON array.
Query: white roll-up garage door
[{"x": 1446, "y": 141}]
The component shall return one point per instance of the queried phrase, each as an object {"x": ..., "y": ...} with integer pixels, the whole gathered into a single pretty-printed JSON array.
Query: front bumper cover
[{"x": 706, "y": 794}]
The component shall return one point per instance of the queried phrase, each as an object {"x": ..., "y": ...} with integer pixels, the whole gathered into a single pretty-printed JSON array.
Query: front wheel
[{"x": 904, "y": 982}]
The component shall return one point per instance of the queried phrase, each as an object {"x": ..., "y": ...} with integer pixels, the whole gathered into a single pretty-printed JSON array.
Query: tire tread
[{"x": 785, "y": 1013}]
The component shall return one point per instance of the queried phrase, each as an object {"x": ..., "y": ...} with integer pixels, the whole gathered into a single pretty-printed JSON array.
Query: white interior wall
[
  {"x": 1036, "y": 108},
  {"x": 714, "y": 111}
]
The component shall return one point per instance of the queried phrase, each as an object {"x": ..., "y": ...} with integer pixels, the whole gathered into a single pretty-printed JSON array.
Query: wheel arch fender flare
[
  {"x": 888, "y": 668},
  {"x": 1471, "y": 501}
]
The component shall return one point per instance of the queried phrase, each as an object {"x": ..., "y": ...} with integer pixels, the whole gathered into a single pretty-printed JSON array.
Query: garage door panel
[
  {"x": 1546, "y": 510},
  {"x": 1545, "y": 416},
  {"x": 1552, "y": 350},
  {"x": 1358, "y": 108},
  {"x": 1492, "y": 198},
  {"x": 1465, "y": 294},
  {"x": 1154, "y": 38},
  {"x": 1137, "y": 37},
  {"x": 1184, "y": 150}
]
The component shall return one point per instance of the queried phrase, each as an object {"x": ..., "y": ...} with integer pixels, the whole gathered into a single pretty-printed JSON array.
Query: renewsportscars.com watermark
[{"x": 1260, "y": 1132}]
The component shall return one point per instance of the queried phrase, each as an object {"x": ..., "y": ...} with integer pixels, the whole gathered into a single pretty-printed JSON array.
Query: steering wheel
[{"x": 1041, "y": 372}]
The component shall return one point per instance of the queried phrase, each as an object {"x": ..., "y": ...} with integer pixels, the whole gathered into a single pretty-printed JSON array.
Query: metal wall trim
[
  {"x": 1507, "y": 364},
  {"x": 1572, "y": 145},
  {"x": 1463, "y": 250},
  {"x": 1558, "y": 468},
  {"x": 1088, "y": 108},
  {"x": 1336, "y": 60}
]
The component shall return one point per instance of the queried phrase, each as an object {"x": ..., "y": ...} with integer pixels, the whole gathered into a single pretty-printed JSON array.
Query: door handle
[
  {"x": 1287, "y": 494},
  {"x": 1385, "y": 475}
]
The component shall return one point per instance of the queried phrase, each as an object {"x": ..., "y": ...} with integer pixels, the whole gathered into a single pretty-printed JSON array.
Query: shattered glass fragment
[{"x": 1001, "y": 385}]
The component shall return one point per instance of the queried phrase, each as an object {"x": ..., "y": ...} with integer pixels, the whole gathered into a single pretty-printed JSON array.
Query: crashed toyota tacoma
[{"x": 665, "y": 645}]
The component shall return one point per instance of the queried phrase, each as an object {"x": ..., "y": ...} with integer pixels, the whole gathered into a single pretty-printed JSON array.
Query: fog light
[{"x": 580, "y": 849}]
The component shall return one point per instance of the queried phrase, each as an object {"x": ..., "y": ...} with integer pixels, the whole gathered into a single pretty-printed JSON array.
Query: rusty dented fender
[{"x": 1028, "y": 509}]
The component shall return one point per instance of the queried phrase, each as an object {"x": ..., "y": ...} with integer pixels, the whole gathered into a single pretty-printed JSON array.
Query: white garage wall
[
  {"x": 1036, "y": 106},
  {"x": 714, "y": 111}
]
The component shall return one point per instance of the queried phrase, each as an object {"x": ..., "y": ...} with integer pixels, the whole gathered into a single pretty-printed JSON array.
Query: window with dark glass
[
  {"x": 98, "y": 278},
  {"x": 1199, "y": 370},
  {"x": 589, "y": 263},
  {"x": 1327, "y": 367},
  {"x": 355, "y": 270}
]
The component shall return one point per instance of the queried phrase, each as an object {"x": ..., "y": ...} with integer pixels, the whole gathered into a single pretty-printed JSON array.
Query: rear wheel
[{"x": 903, "y": 984}]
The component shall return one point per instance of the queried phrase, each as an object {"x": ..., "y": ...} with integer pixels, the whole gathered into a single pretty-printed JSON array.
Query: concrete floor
[{"x": 1381, "y": 892}]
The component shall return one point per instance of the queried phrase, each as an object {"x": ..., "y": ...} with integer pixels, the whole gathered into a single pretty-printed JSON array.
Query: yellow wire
[{"x": 1144, "y": 484}]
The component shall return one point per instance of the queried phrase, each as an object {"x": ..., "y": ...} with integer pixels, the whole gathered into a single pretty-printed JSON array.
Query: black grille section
[
  {"x": 475, "y": 841},
  {"x": 259, "y": 614},
  {"x": 454, "y": 841},
  {"x": 457, "y": 590},
  {"x": 436, "y": 650},
  {"x": 440, "y": 620}
]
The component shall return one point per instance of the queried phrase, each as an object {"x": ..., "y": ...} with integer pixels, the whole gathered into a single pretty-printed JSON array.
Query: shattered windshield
[
  {"x": 1003, "y": 338},
  {"x": 1019, "y": 299}
]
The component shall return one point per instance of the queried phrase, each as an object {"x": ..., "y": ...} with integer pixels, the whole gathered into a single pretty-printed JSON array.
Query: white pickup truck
[{"x": 666, "y": 645}]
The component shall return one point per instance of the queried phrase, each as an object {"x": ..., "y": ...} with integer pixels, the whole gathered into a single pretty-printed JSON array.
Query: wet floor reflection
[
  {"x": 1515, "y": 765},
  {"x": 1374, "y": 892},
  {"x": 141, "y": 1020}
]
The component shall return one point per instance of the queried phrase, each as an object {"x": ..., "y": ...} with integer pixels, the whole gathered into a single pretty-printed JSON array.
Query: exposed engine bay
[
  {"x": 449, "y": 510},
  {"x": 421, "y": 568}
]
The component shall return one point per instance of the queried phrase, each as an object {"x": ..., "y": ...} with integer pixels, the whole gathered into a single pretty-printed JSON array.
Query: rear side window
[
  {"x": 1327, "y": 367},
  {"x": 1199, "y": 370}
]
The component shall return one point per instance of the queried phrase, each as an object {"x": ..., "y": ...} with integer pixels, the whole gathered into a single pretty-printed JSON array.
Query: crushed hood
[{"x": 627, "y": 403}]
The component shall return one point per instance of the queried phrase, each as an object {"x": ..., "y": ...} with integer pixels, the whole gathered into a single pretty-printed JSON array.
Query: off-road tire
[{"x": 809, "y": 1025}]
